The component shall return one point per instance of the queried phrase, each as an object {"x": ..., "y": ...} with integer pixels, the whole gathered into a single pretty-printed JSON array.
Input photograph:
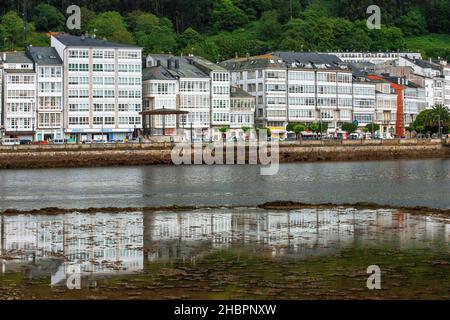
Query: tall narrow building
[
  {"x": 19, "y": 96},
  {"x": 102, "y": 85},
  {"x": 49, "y": 75}
]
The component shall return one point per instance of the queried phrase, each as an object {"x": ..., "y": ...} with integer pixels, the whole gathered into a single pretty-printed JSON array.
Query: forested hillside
[{"x": 220, "y": 29}]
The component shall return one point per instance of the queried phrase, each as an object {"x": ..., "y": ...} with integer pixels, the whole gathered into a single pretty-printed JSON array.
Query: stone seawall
[{"x": 149, "y": 154}]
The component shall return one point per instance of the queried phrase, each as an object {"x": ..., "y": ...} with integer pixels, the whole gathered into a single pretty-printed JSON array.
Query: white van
[{"x": 10, "y": 142}]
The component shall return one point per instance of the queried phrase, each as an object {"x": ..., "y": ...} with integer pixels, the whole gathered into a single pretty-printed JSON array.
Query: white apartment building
[
  {"x": 364, "y": 111},
  {"x": 19, "y": 96},
  {"x": 374, "y": 57},
  {"x": 176, "y": 83},
  {"x": 447, "y": 85},
  {"x": 242, "y": 112},
  {"x": 160, "y": 91},
  {"x": 49, "y": 72},
  {"x": 295, "y": 87},
  {"x": 439, "y": 91},
  {"x": 385, "y": 108},
  {"x": 197, "y": 89},
  {"x": 220, "y": 90},
  {"x": 265, "y": 78},
  {"x": 414, "y": 102},
  {"x": 426, "y": 74},
  {"x": 103, "y": 88},
  {"x": 1, "y": 96}
]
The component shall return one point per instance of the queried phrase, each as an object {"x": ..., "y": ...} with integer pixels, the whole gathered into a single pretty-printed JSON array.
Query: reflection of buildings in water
[
  {"x": 97, "y": 243},
  {"x": 171, "y": 236},
  {"x": 113, "y": 243}
]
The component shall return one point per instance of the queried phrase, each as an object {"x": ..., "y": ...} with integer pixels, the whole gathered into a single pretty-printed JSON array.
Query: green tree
[
  {"x": 268, "y": 28},
  {"x": 349, "y": 127},
  {"x": 226, "y": 16},
  {"x": 13, "y": 30},
  {"x": 317, "y": 127},
  {"x": 87, "y": 16},
  {"x": 372, "y": 127},
  {"x": 122, "y": 36},
  {"x": 298, "y": 129},
  {"x": 153, "y": 34},
  {"x": 387, "y": 39},
  {"x": 112, "y": 26},
  {"x": 413, "y": 23},
  {"x": 189, "y": 37},
  {"x": 48, "y": 18}
]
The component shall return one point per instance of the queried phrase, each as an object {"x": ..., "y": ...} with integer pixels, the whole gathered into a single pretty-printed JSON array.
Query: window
[
  {"x": 109, "y": 107},
  {"x": 97, "y": 67},
  {"x": 98, "y": 54},
  {"x": 108, "y": 54},
  {"x": 109, "y": 80},
  {"x": 109, "y": 120},
  {"x": 82, "y": 121},
  {"x": 98, "y": 107},
  {"x": 108, "y": 67},
  {"x": 98, "y": 80}
]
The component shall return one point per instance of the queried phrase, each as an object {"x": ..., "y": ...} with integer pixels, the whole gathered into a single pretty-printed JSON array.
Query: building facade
[
  {"x": 242, "y": 112},
  {"x": 49, "y": 80},
  {"x": 374, "y": 57},
  {"x": 103, "y": 88},
  {"x": 19, "y": 96},
  {"x": 296, "y": 87}
]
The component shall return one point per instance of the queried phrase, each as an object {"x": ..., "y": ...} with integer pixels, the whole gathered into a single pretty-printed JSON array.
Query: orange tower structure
[{"x": 400, "y": 120}]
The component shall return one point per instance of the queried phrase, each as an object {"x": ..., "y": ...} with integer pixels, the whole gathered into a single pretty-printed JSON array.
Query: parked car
[
  {"x": 25, "y": 141},
  {"x": 42, "y": 142},
  {"x": 10, "y": 142},
  {"x": 59, "y": 141},
  {"x": 99, "y": 141},
  {"x": 87, "y": 141}
]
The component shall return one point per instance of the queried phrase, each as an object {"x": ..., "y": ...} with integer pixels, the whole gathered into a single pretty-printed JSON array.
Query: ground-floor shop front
[
  {"x": 49, "y": 135},
  {"x": 115, "y": 135}
]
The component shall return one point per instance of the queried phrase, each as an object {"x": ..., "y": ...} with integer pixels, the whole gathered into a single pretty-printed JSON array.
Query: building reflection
[
  {"x": 97, "y": 244},
  {"x": 120, "y": 243}
]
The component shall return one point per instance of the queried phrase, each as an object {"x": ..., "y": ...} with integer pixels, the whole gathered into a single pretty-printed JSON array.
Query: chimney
[
  {"x": 158, "y": 63},
  {"x": 247, "y": 56},
  {"x": 169, "y": 63},
  {"x": 177, "y": 64}
]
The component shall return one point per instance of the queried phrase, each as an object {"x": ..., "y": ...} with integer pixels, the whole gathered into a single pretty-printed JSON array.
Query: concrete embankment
[{"x": 54, "y": 156}]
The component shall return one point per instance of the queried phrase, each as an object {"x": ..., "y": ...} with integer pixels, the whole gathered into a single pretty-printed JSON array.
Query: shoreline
[
  {"x": 82, "y": 156},
  {"x": 273, "y": 205}
]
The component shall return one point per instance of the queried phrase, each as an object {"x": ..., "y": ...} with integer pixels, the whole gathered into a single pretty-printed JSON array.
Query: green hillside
[{"x": 432, "y": 44}]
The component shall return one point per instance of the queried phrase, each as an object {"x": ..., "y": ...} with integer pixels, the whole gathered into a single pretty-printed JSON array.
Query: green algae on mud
[
  {"x": 273, "y": 205},
  {"x": 233, "y": 274}
]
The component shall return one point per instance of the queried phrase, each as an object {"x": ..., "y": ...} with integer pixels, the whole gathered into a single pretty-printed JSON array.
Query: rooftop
[
  {"x": 17, "y": 57},
  {"x": 301, "y": 59},
  {"x": 237, "y": 92},
  {"x": 255, "y": 62},
  {"x": 206, "y": 64},
  {"x": 281, "y": 59},
  {"x": 44, "y": 55},
  {"x": 83, "y": 41},
  {"x": 171, "y": 67}
]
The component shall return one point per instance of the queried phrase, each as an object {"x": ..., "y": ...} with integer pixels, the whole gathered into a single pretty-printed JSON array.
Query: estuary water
[{"x": 399, "y": 183}]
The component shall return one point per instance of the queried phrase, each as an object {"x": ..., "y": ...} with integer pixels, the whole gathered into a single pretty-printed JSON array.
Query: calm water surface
[{"x": 403, "y": 183}]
